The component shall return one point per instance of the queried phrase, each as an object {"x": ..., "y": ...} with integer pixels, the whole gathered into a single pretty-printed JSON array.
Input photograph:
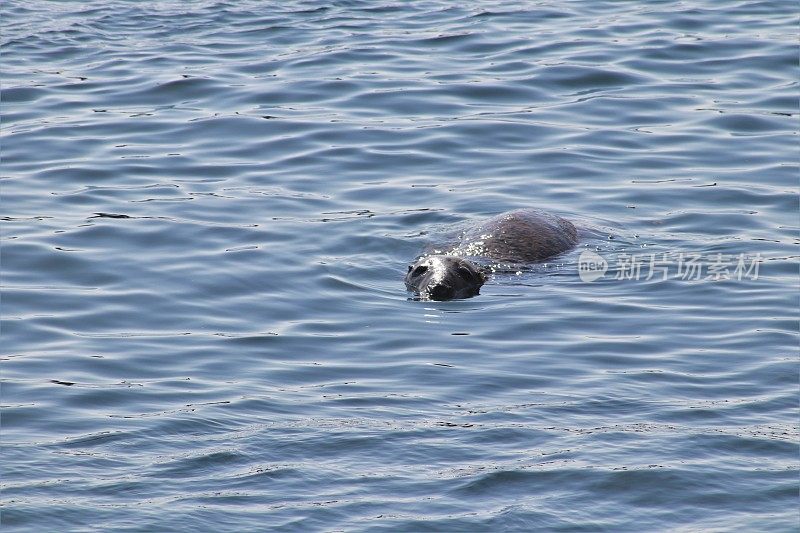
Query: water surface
[{"x": 208, "y": 209}]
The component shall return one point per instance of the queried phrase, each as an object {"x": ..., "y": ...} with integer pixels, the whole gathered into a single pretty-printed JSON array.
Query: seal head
[{"x": 444, "y": 277}]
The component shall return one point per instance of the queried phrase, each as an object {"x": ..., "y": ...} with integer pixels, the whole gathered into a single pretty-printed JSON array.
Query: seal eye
[
  {"x": 419, "y": 270},
  {"x": 465, "y": 273},
  {"x": 410, "y": 267}
]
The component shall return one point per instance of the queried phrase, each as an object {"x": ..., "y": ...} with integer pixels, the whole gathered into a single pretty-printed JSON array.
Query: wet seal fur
[{"x": 513, "y": 238}]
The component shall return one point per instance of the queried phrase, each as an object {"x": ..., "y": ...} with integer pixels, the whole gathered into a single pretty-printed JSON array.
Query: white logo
[{"x": 591, "y": 266}]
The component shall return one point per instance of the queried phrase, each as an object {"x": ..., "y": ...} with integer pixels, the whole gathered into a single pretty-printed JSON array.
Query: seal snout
[
  {"x": 440, "y": 292},
  {"x": 443, "y": 277}
]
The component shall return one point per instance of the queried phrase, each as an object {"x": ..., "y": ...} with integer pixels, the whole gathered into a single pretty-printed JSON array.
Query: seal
[{"x": 513, "y": 238}]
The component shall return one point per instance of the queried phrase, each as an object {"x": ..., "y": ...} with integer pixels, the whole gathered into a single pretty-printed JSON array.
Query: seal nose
[{"x": 441, "y": 292}]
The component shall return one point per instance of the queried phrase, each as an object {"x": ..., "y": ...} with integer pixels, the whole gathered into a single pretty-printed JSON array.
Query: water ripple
[{"x": 209, "y": 207}]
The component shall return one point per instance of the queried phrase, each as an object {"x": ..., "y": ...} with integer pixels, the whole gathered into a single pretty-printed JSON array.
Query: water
[{"x": 209, "y": 207}]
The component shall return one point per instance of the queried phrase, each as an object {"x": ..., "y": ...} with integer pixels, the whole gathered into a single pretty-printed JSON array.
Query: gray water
[{"x": 209, "y": 207}]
